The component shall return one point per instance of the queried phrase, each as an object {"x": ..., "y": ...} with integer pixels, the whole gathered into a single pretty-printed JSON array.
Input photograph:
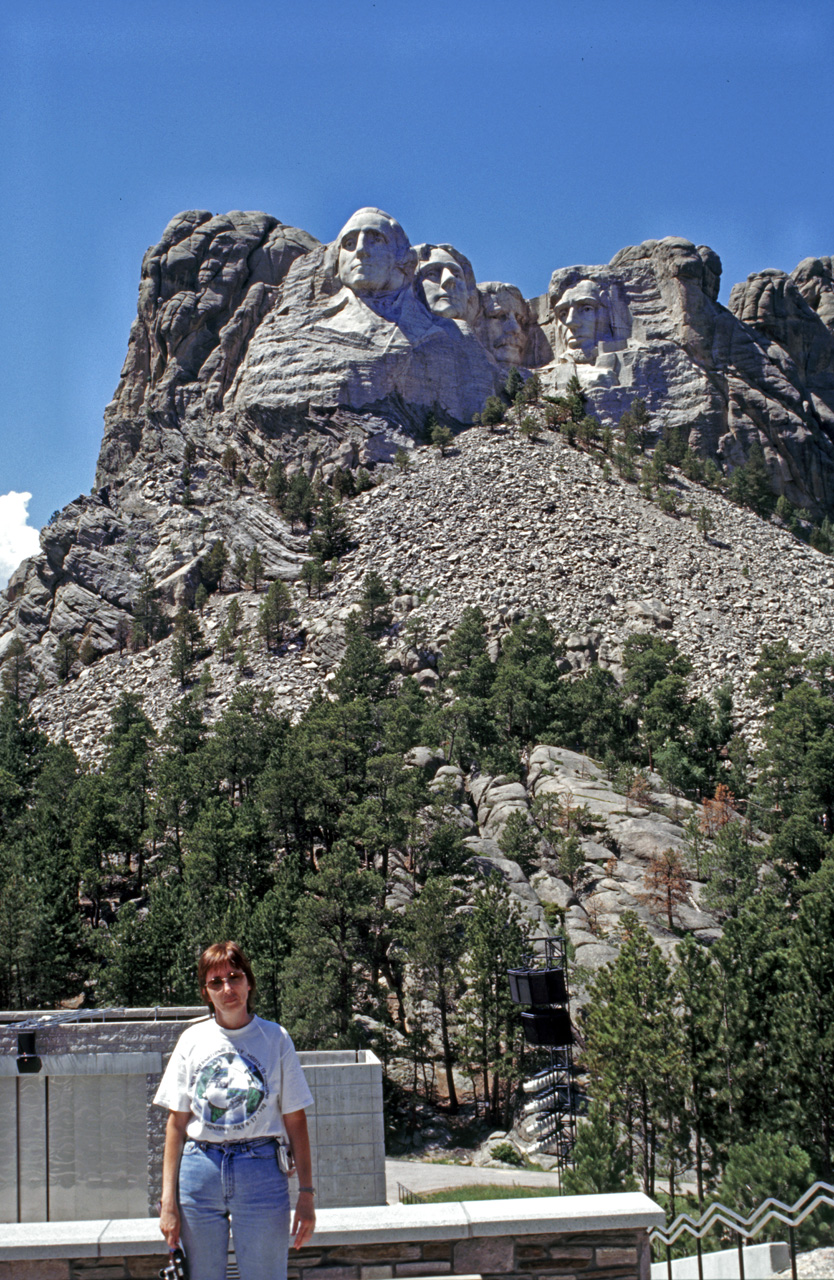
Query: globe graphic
[{"x": 229, "y": 1090}]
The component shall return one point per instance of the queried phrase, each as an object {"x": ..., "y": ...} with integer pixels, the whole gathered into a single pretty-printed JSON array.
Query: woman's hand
[
  {"x": 304, "y": 1221},
  {"x": 169, "y": 1225},
  {"x": 169, "y": 1214}
]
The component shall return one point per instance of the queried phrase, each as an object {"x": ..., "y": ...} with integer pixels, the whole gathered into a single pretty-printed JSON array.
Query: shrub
[{"x": 506, "y": 1152}]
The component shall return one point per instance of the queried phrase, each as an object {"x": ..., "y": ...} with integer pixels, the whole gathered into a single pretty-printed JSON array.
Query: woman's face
[{"x": 227, "y": 987}]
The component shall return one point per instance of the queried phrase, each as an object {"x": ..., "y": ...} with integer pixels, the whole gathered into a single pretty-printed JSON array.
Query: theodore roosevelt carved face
[
  {"x": 374, "y": 256},
  {"x": 506, "y": 321}
]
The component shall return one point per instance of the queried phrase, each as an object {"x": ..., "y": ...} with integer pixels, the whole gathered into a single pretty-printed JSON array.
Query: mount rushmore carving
[
  {"x": 253, "y": 325},
  {"x": 252, "y": 334}
]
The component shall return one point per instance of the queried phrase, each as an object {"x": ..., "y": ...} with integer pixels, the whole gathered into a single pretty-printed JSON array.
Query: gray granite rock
[{"x": 649, "y": 324}]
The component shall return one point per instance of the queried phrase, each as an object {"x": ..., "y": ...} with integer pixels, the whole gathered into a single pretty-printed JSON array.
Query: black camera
[{"x": 177, "y": 1268}]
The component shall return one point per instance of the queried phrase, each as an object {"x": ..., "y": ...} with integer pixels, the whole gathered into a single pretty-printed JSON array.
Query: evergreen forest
[{"x": 325, "y": 847}]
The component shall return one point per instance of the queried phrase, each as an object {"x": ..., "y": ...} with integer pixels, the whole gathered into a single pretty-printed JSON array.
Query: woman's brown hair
[{"x": 225, "y": 953}]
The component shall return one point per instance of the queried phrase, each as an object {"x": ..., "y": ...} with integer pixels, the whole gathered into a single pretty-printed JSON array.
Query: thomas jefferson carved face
[
  {"x": 374, "y": 254},
  {"x": 444, "y": 285},
  {"x": 578, "y": 313},
  {"x": 507, "y": 319}
]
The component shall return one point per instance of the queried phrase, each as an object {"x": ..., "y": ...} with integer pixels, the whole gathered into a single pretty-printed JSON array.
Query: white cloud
[{"x": 17, "y": 538}]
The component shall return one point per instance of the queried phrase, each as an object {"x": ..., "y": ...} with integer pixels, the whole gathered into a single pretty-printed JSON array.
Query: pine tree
[
  {"x": 374, "y": 599},
  {"x": 314, "y": 576},
  {"x": 493, "y": 412},
  {"x": 698, "y": 1009},
  {"x": 299, "y": 501},
  {"x": 342, "y": 484},
  {"x": 750, "y": 484},
  {"x": 362, "y": 672},
  {"x": 254, "y": 568},
  {"x": 230, "y": 461},
  {"x": 327, "y": 978},
  {"x": 214, "y": 565},
  {"x": 433, "y": 934},
  {"x": 640, "y": 418},
  {"x": 188, "y": 644},
  {"x": 66, "y": 656},
  {"x": 276, "y": 482},
  {"x": 330, "y": 538},
  {"x": 16, "y": 670},
  {"x": 240, "y": 561},
  {"x": 805, "y": 1021},
  {"x": 441, "y": 438},
  {"x": 276, "y": 615},
  {"x": 520, "y": 841},
  {"x": 513, "y": 384},
  {"x": 666, "y": 886},
  {"x": 634, "y": 1075},
  {"x": 494, "y": 942},
  {"x": 730, "y": 863},
  {"x": 600, "y": 1159},
  {"x": 127, "y": 774}
]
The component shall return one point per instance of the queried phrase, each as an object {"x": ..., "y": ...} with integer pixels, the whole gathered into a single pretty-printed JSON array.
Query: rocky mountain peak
[{"x": 255, "y": 345}]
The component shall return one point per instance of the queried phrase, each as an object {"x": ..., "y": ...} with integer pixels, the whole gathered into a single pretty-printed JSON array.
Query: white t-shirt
[{"x": 237, "y": 1084}]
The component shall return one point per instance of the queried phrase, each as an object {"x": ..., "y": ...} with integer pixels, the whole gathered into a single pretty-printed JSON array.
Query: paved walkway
[{"x": 422, "y": 1176}]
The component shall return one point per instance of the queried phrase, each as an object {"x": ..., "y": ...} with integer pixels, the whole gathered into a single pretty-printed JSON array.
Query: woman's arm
[
  {"x": 169, "y": 1214},
  {"x": 304, "y": 1222}
]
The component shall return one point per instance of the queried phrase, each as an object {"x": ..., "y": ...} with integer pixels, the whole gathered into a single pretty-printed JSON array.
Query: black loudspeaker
[
  {"x": 550, "y": 1028},
  {"x": 28, "y": 1062},
  {"x": 538, "y": 986}
]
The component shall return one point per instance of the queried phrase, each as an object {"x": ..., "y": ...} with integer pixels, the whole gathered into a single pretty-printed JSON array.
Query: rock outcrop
[
  {"x": 256, "y": 344},
  {"x": 649, "y": 324}
]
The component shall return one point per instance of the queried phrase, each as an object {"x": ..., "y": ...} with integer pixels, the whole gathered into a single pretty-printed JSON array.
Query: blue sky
[{"x": 531, "y": 135}]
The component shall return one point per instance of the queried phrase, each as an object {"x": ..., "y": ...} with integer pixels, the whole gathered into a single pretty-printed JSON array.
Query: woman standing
[{"x": 236, "y": 1095}]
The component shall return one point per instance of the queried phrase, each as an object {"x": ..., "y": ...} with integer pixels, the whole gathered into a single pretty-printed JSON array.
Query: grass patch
[{"x": 482, "y": 1191}]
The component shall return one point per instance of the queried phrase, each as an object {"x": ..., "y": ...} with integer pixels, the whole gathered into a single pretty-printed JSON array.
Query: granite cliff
[{"x": 253, "y": 337}]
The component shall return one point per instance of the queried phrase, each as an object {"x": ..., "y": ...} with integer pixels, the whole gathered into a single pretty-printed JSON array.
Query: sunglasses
[{"x": 217, "y": 984}]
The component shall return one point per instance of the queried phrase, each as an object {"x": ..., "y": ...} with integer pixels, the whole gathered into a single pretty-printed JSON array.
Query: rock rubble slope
[{"x": 512, "y": 527}]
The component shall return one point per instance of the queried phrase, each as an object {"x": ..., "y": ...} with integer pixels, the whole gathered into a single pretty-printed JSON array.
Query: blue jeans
[{"x": 240, "y": 1182}]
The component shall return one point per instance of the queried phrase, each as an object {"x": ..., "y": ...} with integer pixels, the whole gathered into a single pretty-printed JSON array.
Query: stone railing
[{"x": 593, "y": 1237}]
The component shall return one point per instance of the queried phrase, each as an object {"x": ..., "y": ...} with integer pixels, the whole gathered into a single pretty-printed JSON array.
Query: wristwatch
[{"x": 312, "y": 1190}]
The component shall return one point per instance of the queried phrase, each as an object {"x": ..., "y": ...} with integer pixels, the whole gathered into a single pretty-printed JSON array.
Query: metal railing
[
  {"x": 745, "y": 1228},
  {"x": 409, "y": 1197}
]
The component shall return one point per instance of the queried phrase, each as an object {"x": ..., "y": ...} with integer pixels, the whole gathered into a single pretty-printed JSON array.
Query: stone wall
[
  {"x": 584, "y": 1237},
  {"x": 609, "y": 1255},
  {"x": 614, "y": 1255}
]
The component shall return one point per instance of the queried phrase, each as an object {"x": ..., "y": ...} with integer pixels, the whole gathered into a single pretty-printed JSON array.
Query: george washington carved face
[{"x": 374, "y": 256}]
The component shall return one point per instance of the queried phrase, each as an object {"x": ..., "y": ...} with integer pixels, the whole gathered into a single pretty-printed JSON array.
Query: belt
[{"x": 230, "y": 1147}]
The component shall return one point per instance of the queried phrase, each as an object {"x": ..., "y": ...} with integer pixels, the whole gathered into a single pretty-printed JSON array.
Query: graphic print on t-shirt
[{"x": 229, "y": 1090}]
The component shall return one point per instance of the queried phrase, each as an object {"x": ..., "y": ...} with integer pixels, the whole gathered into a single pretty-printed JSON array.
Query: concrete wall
[
  {"x": 82, "y": 1140},
  {"x": 83, "y": 1137},
  {"x": 761, "y": 1262},
  {"x": 347, "y": 1132}
]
